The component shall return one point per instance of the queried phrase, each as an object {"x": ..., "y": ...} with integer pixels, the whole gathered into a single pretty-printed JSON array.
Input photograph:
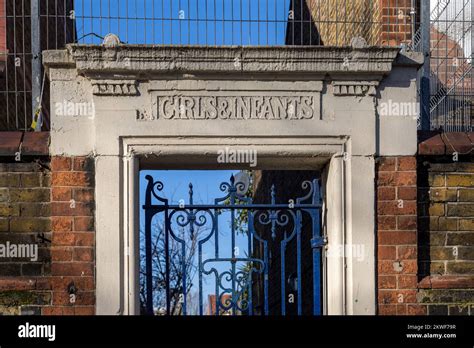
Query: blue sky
[{"x": 193, "y": 22}]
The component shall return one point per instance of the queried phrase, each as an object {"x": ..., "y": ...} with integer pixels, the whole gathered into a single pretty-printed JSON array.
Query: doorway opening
[{"x": 230, "y": 242}]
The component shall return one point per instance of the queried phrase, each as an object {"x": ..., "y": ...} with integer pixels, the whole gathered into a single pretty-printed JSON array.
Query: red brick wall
[
  {"x": 396, "y": 182},
  {"x": 72, "y": 249},
  {"x": 396, "y": 22},
  {"x": 425, "y": 245}
]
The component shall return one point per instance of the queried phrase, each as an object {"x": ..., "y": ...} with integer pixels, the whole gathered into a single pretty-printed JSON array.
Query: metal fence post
[
  {"x": 425, "y": 90},
  {"x": 35, "y": 59}
]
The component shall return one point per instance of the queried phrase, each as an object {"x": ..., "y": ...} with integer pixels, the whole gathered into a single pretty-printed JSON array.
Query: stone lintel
[{"x": 97, "y": 61}]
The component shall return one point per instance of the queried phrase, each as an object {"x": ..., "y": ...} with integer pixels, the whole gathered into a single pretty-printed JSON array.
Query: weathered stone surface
[{"x": 211, "y": 59}]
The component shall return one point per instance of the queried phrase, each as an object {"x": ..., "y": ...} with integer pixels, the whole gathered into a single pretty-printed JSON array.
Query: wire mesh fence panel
[
  {"x": 15, "y": 64},
  {"x": 234, "y": 22},
  {"x": 452, "y": 97},
  {"x": 246, "y": 22}
]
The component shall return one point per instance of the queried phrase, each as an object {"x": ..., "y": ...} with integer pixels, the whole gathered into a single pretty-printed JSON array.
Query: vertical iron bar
[
  {"x": 446, "y": 58},
  {"x": 109, "y": 19},
  {"x": 250, "y": 233},
  {"x": 276, "y": 22},
  {"x": 265, "y": 278},
  {"x": 200, "y": 279},
  {"x": 223, "y": 23},
  {"x": 425, "y": 70},
  {"x": 241, "y": 23},
  {"x": 167, "y": 262},
  {"x": 183, "y": 269},
  {"x": 14, "y": 64},
  {"x": 205, "y": 22},
  {"x": 179, "y": 23},
  {"x": 92, "y": 22},
  {"x": 145, "y": 29},
  {"x": 215, "y": 31},
  {"x": 258, "y": 23},
  {"x": 471, "y": 89},
  {"x": 316, "y": 278},
  {"x": 7, "y": 92},
  {"x": 25, "y": 106},
  {"x": 283, "y": 275},
  {"x": 216, "y": 237},
  {"x": 126, "y": 21},
  {"x": 162, "y": 22},
  {"x": 56, "y": 24},
  {"x": 267, "y": 10},
  {"x": 413, "y": 20},
  {"x": 232, "y": 211},
  {"x": 217, "y": 300},
  {"x": 153, "y": 39},
  {"x": 298, "y": 261},
  {"x": 135, "y": 22},
  {"x": 232, "y": 22},
  {"x": 189, "y": 23},
  {"x": 148, "y": 263},
  {"x": 83, "y": 20},
  {"x": 316, "y": 251},
  {"x": 250, "y": 24}
]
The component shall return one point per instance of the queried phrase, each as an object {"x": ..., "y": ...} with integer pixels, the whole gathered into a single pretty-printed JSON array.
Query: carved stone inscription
[{"x": 303, "y": 107}]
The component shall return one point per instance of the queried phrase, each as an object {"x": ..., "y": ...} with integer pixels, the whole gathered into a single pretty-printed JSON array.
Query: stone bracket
[
  {"x": 115, "y": 88},
  {"x": 354, "y": 88}
]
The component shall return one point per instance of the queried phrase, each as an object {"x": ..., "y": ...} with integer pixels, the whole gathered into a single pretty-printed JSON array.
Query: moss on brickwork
[
  {"x": 16, "y": 310},
  {"x": 461, "y": 296},
  {"x": 22, "y": 298}
]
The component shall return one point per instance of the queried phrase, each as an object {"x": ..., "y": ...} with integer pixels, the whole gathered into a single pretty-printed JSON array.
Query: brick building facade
[{"x": 424, "y": 211}]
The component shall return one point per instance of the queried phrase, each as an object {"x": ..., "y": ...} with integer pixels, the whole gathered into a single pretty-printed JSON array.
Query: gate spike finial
[{"x": 191, "y": 193}]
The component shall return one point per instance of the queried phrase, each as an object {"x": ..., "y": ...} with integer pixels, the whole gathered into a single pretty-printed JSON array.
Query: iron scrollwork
[{"x": 233, "y": 275}]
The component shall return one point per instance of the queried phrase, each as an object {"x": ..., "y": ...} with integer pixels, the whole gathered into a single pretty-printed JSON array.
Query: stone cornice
[{"x": 95, "y": 60}]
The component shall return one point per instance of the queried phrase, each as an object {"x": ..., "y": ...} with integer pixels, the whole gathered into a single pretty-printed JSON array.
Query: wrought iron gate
[{"x": 270, "y": 227}]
